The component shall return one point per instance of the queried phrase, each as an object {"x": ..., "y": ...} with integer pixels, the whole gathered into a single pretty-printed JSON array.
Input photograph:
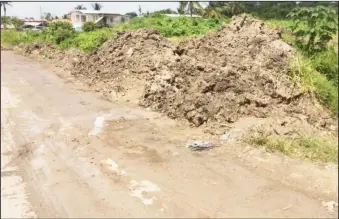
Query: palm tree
[
  {"x": 211, "y": 12},
  {"x": 234, "y": 8},
  {"x": 189, "y": 7},
  {"x": 80, "y": 7},
  {"x": 97, "y": 6},
  {"x": 3, "y": 5}
]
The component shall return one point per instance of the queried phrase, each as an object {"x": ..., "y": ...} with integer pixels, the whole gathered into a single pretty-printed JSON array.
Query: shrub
[
  {"x": 17, "y": 23},
  {"x": 59, "y": 31},
  {"x": 313, "y": 27},
  {"x": 89, "y": 26},
  {"x": 326, "y": 63}
]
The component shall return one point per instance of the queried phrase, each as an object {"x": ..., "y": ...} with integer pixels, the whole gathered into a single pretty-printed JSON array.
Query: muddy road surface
[{"x": 66, "y": 152}]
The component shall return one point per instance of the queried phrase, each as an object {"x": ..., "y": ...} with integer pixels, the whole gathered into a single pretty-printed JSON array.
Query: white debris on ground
[
  {"x": 199, "y": 145},
  {"x": 330, "y": 205}
]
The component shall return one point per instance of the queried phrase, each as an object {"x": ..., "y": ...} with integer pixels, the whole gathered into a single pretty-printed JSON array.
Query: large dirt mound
[{"x": 238, "y": 71}]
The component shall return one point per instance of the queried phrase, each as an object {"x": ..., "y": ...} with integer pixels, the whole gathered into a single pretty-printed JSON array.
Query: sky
[{"x": 32, "y": 9}]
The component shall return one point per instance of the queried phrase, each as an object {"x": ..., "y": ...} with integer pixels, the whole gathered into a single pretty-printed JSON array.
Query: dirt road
[{"x": 68, "y": 153}]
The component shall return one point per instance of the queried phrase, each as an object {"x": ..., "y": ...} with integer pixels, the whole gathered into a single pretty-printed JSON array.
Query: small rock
[{"x": 199, "y": 145}]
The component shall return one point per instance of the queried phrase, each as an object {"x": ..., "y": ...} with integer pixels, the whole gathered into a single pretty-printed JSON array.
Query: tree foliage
[
  {"x": 97, "y": 6},
  {"x": 17, "y": 23},
  {"x": 189, "y": 7},
  {"x": 132, "y": 14},
  {"x": 80, "y": 7},
  {"x": 313, "y": 27},
  {"x": 211, "y": 12}
]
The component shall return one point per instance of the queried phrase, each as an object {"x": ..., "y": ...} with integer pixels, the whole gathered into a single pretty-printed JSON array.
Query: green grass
[
  {"x": 309, "y": 79},
  {"x": 274, "y": 23},
  {"x": 15, "y": 38},
  {"x": 305, "y": 147}
]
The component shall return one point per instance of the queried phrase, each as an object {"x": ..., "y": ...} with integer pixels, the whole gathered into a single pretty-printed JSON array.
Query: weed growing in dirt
[
  {"x": 309, "y": 79},
  {"x": 304, "y": 147}
]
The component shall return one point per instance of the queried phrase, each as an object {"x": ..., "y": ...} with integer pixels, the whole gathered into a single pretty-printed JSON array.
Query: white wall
[
  {"x": 76, "y": 19},
  {"x": 111, "y": 20}
]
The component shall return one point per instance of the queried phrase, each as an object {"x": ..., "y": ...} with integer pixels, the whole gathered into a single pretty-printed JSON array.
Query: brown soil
[{"x": 239, "y": 71}]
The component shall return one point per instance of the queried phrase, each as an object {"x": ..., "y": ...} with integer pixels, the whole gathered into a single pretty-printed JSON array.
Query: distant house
[{"x": 101, "y": 18}]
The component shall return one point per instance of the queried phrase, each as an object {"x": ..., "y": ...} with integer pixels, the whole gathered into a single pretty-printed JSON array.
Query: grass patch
[
  {"x": 14, "y": 38},
  {"x": 305, "y": 147},
  {"x": 274, "y": 24},
  {"x": 309, "y": 79}
]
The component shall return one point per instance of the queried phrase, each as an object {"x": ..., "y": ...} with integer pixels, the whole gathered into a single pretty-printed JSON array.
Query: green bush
[
  {"x": 59, "y": 31},
  {"x": 89, "y": 26},
  {"x": 313, "y": 27},
  {"x": 326, "y": 63}
]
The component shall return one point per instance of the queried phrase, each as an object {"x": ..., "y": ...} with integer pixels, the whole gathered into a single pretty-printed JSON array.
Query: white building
[{"x": 101, "y": 18}]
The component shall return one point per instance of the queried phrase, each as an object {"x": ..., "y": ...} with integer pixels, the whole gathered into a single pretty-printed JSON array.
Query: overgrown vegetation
[
  {"x": 313, "y": 27},
  {"x": 310, "y": 80},
  {"x": 303, "y": 147},
  {"x": 89, "y": 26},
  {"x": 62, "y": 33}
]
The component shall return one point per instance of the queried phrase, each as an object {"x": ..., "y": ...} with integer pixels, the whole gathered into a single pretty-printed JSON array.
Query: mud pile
[
  {"x": 128, "y": 55},
  {"x": 64, "y": 58},
  {"x": 239, "y": 71}
]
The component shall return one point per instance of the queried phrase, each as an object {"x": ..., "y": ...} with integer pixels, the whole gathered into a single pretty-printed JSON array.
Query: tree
[
  {"x": 97, "y": 6},
  {"x": 234, "y": 8},
  {"x": 56, "y": 17},
  {"x": 17, "y": 23},
  {"x": 47, "y": 16},
  {"x": 65, "y": 16},
  {"x": 211, "y": 12},
  {"x": 189, "y": 7},
  {"x": 4, "y": 5},
  {"x": 140, "y": 12},
  {"x": 80, "y": 7},
  {"x": 132, "y": 14}
]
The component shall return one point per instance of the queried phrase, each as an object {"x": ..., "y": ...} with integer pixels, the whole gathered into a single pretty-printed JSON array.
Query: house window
[
  {"x": 77, "y": 18},
  {"x": 83, "y": 18},
  {"x": 122, "y": 19},
  {"x": 111, "y": 19}
]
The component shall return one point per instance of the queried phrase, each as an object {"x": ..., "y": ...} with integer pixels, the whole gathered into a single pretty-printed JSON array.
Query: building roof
[{"x": 96, "y": 12}]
